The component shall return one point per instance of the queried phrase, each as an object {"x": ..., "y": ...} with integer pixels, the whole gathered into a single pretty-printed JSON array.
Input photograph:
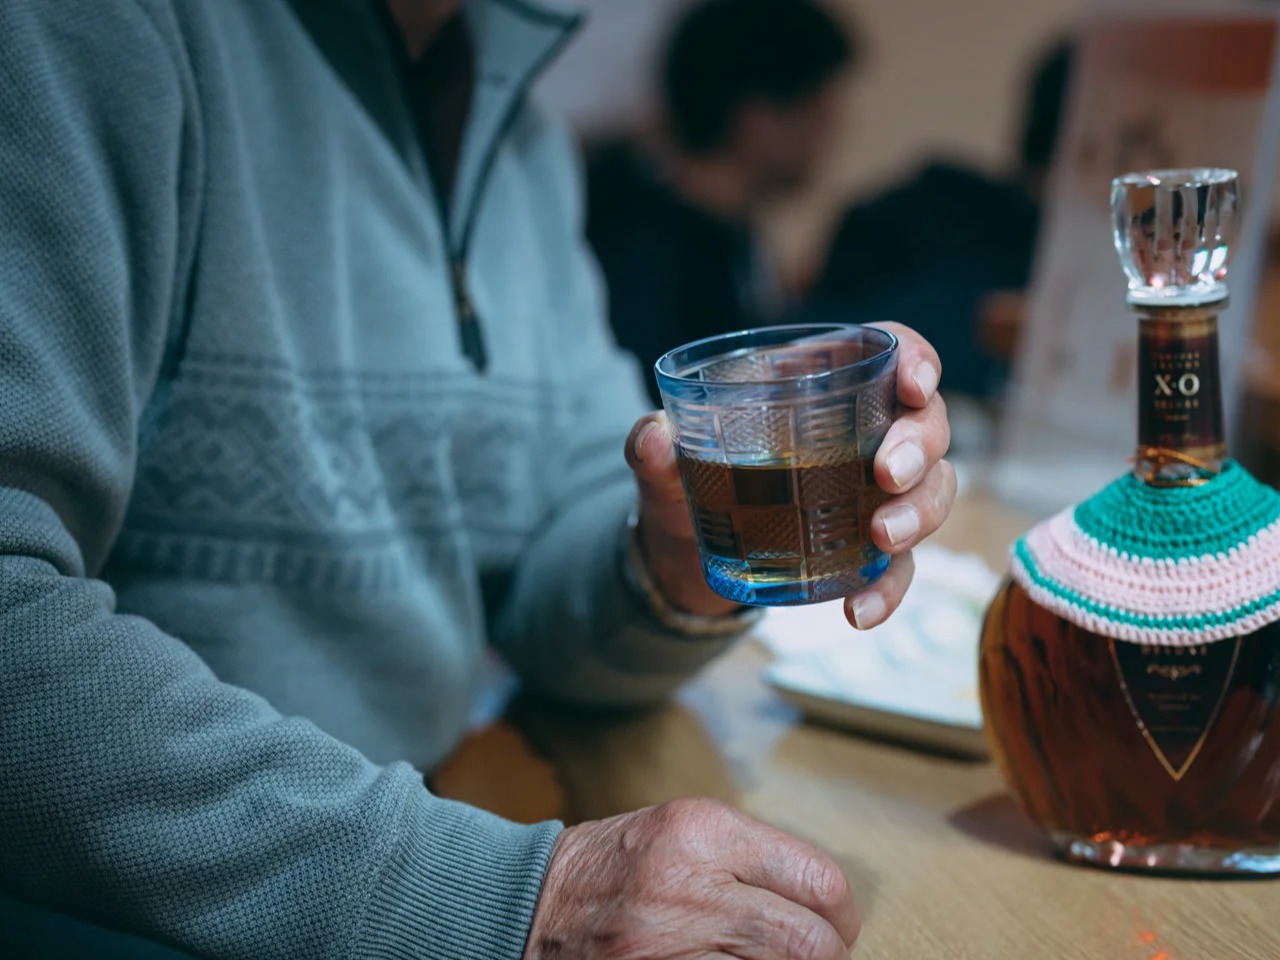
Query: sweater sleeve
[
  {"x": 136, "y": 790},
  {"x": 572, "y": 624}
]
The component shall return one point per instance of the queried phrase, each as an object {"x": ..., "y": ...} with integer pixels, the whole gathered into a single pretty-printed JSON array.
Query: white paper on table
[{"x": 914, "y": 678}]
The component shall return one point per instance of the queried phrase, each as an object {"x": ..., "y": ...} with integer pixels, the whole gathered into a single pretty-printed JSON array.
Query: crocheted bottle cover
[{"x": 1174, "y": 566}]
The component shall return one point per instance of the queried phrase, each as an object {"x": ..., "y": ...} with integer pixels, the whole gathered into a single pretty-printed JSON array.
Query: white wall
[{"x": 603, "y": 81}]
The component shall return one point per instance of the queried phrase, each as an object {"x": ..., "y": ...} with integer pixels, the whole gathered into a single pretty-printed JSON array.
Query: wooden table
[{"x": 943, "y": 863}]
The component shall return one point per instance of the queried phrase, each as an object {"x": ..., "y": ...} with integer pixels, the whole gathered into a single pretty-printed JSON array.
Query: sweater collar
[{"x": 515, "y": 40}]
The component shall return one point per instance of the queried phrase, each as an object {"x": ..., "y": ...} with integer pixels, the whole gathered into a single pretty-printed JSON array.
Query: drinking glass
[{"x": 776, "y": 432}]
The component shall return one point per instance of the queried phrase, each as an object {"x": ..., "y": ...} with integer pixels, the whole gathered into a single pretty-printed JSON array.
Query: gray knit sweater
[{"x": 260, "y": 512}]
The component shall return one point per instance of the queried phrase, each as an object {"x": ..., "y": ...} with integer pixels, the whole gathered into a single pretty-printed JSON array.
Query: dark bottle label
[
  {"x": 1175, "y": 694},
  {"x": 1179, "y": 395}
]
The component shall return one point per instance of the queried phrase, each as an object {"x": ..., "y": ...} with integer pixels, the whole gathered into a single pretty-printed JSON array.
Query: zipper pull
[{"x": 469, "y": 331}]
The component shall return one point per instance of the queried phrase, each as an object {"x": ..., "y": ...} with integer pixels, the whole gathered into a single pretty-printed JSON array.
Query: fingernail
[
  {"x": 900, "y": 523},
  {"x": 642, "y": 436},
  {"x": 905, "y": 461},
  {"x": 926, "y": 378},
  {"x": 868, "y": 610}
]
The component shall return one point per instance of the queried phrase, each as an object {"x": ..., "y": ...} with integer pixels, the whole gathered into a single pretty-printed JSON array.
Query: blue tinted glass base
[{"x": 756, "y": 584}]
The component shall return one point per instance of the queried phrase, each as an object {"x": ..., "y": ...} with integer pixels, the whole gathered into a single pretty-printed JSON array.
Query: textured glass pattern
[{"x": 777, "y": 430}]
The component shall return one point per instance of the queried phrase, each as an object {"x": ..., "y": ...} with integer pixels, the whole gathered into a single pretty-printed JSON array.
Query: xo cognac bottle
[{"x": 1130, "y": 668}]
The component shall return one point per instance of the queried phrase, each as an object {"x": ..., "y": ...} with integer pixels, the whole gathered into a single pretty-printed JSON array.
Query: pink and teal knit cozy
[{"x": 1174, "y": 566}]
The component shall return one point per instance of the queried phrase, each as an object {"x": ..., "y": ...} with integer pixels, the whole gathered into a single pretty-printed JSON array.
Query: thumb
[{"x": 651, "y": 454}]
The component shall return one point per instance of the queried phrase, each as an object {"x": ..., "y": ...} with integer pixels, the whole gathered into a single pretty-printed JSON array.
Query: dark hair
[
  {"x": 1043, "y": 107},
  {"x": 724, "y": 54}
]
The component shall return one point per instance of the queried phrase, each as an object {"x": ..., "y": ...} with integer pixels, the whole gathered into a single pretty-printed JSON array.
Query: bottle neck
[{"x": 1181, "y": 439}]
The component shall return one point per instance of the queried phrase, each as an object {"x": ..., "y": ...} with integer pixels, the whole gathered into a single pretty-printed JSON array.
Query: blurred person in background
[
  {"x": 307, "y": 397},
  {"x": 937, "y": 250},
  {"x": 749, "y": 108}
]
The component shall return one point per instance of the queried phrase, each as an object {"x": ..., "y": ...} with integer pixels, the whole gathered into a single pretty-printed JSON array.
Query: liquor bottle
[{"x": 1130, "y": 667}]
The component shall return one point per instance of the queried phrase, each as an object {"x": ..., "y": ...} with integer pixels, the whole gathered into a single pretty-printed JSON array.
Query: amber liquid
[
  {"x": 781, "y": 534},
  {"x": 1137, "y": 746}
]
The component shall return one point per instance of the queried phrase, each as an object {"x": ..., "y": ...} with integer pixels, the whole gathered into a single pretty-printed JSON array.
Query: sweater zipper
[{"x": 469, "y": 332}]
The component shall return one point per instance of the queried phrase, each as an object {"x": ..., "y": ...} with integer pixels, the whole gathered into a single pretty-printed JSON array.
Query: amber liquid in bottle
[
  {"x": 1133, "y": 755},
  {"x": 1074, "y": 734}
]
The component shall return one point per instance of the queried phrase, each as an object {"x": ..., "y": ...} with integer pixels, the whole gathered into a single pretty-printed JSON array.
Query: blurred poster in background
[{"x": 1157, "y": 84}]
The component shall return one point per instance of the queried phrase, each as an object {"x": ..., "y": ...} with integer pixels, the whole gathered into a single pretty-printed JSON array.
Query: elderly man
[{"x": 305, "y": 395}]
